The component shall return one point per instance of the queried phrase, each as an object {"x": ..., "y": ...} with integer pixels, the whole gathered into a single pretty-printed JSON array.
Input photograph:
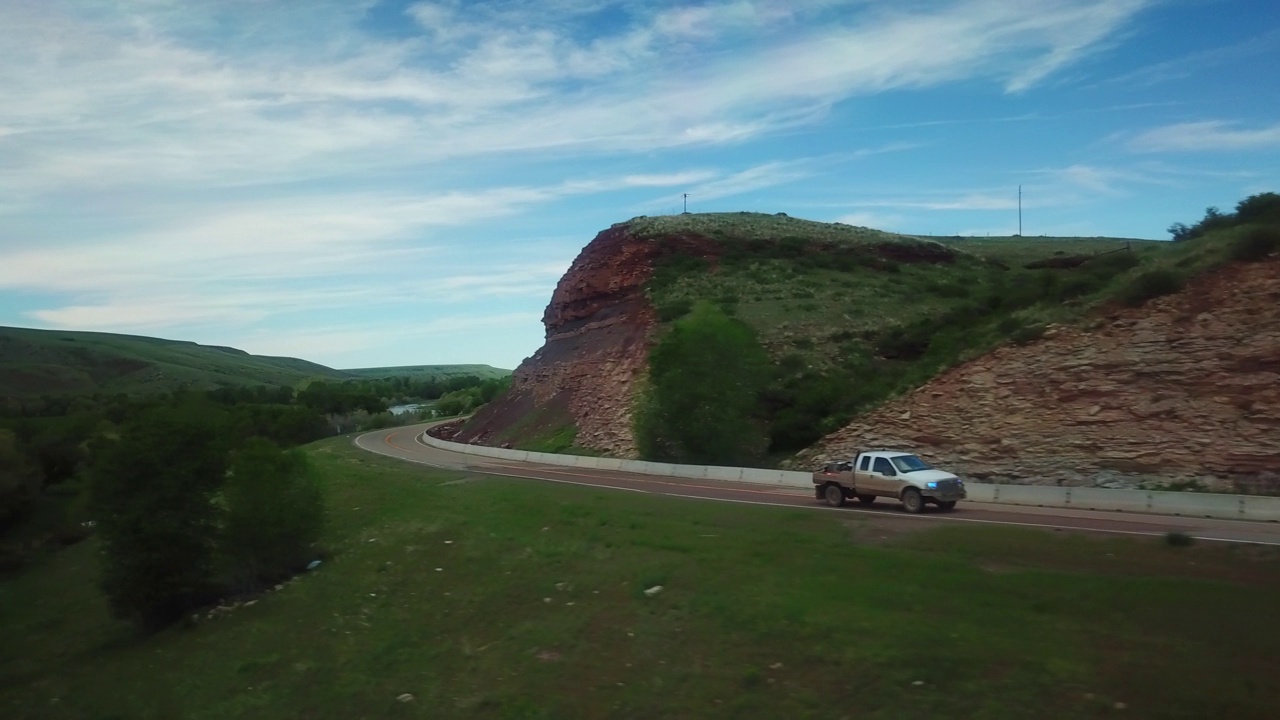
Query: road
[{"x": 402, "y": 443}]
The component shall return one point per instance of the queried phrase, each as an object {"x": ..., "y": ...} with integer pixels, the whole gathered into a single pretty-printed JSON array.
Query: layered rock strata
[{"x": 1185, "y": 390}]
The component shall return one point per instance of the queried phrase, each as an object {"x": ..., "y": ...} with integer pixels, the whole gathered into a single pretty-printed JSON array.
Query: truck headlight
[{"x": 933, "y": 485}]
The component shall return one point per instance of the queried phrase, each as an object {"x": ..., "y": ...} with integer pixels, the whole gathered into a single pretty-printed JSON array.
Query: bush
[
  {"x": 1260, "y": 208},
  {"x": 674, "y": 309},
  {"x": 702, "y": 402},
  {"x": 152, "y": 496},
  {"x": 1177, "y": 539},
  {"x": 274, "y": 513},
  {"x": 1027, "y": 334},
  {"x": 1256, "y": 244},
  {"x": 1149, "y": 285}
]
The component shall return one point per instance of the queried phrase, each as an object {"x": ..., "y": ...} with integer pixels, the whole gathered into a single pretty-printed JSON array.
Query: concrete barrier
[
  {"x": 1085, "y": 498},
  {"x": 1266, "y": 509},
  {"x": 1197, "y": 504},
  {"x": 980, "y": 492},
  {"x": 1030, "y": 495},
  {"x": 1210, "y": 505}
]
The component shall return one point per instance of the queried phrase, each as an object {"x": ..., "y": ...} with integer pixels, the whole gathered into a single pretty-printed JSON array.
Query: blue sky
[{"x": 389, "y": 183}]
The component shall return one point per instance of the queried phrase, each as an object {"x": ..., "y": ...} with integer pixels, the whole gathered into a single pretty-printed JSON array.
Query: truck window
[
  {"x": 883, "y": 467},
  {"x": 866, "y": 463},
  {"x": 909, "y": 463}
]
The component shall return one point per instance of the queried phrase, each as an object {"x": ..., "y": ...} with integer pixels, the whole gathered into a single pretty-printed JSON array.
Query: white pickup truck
[{"x": 886, "y": 473}]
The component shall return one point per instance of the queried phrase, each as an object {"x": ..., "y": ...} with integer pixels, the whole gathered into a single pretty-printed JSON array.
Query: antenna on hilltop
[
  {"x": 686, "y": 203},
  {"x": 1019, "y": 211}
]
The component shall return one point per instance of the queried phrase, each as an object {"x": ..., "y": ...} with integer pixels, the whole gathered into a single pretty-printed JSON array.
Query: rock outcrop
[
  {"x": 598, "y": 328},
  {"x": 1183, "y": 390}
]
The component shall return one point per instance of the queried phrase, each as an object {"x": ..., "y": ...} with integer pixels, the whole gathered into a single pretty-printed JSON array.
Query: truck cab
[{"x": 889, "y": 474}]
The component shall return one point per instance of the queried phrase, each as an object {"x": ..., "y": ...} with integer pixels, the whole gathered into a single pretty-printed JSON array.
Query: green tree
[
  {"x": 274, "y": 514},
  {"x": 702, "y": 404},
  {"x": 1260, "y": 208},
  {"x": 19, "y": 482},
  {"x": 152, "y": 493}
]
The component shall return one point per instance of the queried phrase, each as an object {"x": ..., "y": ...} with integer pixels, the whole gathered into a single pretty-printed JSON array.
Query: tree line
[{"x": 195, "y": 494}]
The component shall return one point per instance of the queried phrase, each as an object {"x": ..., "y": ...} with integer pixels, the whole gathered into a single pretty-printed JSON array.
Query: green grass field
[
  {"x": 59, "y": 362},
  {"x": 491, "y": 598}
]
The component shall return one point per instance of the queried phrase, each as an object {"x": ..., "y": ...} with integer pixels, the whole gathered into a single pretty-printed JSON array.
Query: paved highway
[{"x": 402, "y": 443}]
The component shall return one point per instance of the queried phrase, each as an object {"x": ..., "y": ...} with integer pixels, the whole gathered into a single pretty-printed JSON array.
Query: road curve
[{"x": 402, "y": 443}]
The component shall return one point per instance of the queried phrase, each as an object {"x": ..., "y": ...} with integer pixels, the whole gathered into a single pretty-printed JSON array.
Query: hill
[
  {"x": 848, "y": 318},
  {"x": 61, "y": 362},
  {"x": 429, "y": 372},
  {"x": 840, "y": 310}
]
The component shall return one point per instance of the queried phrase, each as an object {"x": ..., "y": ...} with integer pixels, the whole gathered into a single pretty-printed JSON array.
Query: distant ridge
[
  {"x": 65, "y": 362},
  {"x": 429, "y": 372}
]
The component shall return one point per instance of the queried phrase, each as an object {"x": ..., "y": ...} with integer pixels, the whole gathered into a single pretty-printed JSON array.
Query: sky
[{"x": 380, "y": 183}]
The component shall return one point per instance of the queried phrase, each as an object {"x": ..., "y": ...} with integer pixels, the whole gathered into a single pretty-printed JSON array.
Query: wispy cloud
[
  {"x": 971, "y": 201},
  {"x": 166, "y": 165},
  {"x": 123, "y": 99},
  {"x": 1210, "y": 135},
  {"x": 1196, "y": 62}
]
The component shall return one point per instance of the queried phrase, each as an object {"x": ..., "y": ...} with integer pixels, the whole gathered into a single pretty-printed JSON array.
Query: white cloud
[
  {"x": 971, "y": 201},
  {"x": 126, "y": 99},
  {"x": 877, "y": 221},
  {"x": 1206, "y": 136}
]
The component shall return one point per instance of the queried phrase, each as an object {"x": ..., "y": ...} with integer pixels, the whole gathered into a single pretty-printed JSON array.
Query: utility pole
[
  {"x": 686, "y": 203},
  {"x": 1019, "y": 211}
]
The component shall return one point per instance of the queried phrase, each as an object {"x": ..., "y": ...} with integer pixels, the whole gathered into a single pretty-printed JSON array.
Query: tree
[
  {"x": 152, "y": 493},
  {"x": 274, "y": 514},
  {"x": 702, "y": 404},
  {"x": 19, "y": 482},
  {"x": 1260, "y": 208}
]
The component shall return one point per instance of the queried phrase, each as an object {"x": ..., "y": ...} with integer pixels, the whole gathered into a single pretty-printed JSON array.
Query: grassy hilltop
[{"x": 62, "y": 362}]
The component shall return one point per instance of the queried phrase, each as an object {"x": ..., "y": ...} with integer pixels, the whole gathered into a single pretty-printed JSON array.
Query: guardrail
[{"x": 1156, "y": 502}]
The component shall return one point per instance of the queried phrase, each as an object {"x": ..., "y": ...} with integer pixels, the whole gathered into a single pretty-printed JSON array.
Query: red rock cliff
[
  {"x": 598, "y": 327},
  {"x": 1186, "y": 388}
]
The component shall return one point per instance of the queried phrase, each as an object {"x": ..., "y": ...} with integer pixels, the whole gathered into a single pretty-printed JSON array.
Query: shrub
[
  {"x": 669, "y": 311},
  {"x": 702, "y": 403},
  {"x": 1178, "y": 539},
  {"x": 1028, "y": 333},
  {"x": 1256, "y": 244},
  {"x": 274, "y": 512},
  {"x": 1260, "y": 208},
  {"x": 1151, "y": 284},
  {"x": 152, "y": 493}
]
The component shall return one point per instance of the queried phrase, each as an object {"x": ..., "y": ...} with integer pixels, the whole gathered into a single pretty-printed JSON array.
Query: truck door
[
  {"x": 863, "y": 478},
  {"x": 885, "y": 478}
]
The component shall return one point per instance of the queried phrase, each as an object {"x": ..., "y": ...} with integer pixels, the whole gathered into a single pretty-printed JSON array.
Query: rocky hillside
[
  {"x": 598, "y": 327},
  {"x": 1184, "y": 391},
  {"x": 817, "y": 294},
  {"x": 1043, "y": 360}
]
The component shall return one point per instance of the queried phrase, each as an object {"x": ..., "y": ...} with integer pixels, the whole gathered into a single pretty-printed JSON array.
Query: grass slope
[
  {"x": 59, "y": 362},
  {"x": 430, "y": 372},
  {"x": 490, "y": 598}
]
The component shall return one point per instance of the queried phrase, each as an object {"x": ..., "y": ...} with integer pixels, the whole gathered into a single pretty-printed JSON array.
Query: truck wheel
[
  {"x": 834, "y": 495},
  {"x": 912, "y": 502},
  {"x": 866, "y": 499},
  {"x": 947, "y": 505}
]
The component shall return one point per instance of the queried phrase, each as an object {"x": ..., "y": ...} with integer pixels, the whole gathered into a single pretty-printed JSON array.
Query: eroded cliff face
[
  {"x": 598, "y": 327},
  {"x": 1185, "y": 389}
]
